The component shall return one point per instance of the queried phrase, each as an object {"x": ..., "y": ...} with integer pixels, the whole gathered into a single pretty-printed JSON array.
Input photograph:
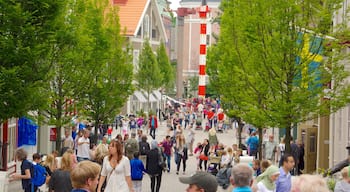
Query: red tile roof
[{"x": 130, "y": 13}]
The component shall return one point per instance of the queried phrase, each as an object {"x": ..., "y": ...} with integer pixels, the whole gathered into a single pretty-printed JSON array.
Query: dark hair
[
  {"x": 136, "y": 155},
  {"x": 167, "y": 137},
  {"x": 36, "y": 156},
  {"x": 285, "y": 157}
]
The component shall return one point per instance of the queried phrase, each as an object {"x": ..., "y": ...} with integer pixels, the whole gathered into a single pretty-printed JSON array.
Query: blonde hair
[
  {"x": 50, "y": 162},
  {"x": 82, "y": 172},
  {"x": 66, "y": 162},
  {"x": 309, "y": 183},
  {"x": 345, "y": 172},
  {"x": 100, "y": 152}
]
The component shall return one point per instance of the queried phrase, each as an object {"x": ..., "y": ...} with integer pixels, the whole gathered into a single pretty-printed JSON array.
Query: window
[{"x": 154, "y": 33}]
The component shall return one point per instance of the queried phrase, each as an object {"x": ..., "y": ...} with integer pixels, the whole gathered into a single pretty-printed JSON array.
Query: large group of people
[{"x": 120, "y": 163}]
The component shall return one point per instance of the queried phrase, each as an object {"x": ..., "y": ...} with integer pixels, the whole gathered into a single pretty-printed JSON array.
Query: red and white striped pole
[{"x": 203, "y": 10}]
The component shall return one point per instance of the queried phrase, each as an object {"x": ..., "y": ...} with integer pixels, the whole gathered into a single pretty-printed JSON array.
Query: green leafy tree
[
  {"x": 65, "y": 85},
  {"x": 148, "y": 75},
  {"x": 108, "y": 70},
  {"x": 165, "y": 67},
  {"x": 25, "y": 36},
  {"x": 264, "y": 62}
]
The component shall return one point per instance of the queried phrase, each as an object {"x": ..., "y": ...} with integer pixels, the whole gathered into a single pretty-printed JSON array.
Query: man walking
[
  {"x": 153, "y": 125},
  {"x": 270, "y": 148},
  {"x": 284, "y": 181}
]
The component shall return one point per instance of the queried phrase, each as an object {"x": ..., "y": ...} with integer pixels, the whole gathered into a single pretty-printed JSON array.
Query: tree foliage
[
  {"x": 107, "y": 72},
  {"x": 165, "y": 67},
  {"x": 148, "y": 75},
  {"x": 264, "y": 62},
  {"x": 26, "y": 29}
]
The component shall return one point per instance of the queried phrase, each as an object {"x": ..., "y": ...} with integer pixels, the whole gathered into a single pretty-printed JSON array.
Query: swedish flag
[{"x": 309, "y": 61}]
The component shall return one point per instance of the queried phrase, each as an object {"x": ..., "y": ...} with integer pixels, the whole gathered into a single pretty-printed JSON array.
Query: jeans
[
  {"x": 153, "y": 132},
  {"x": 168, "y": 159}
]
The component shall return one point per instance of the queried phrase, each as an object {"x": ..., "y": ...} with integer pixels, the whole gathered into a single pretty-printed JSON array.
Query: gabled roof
[{"x": 130, "y": 14}]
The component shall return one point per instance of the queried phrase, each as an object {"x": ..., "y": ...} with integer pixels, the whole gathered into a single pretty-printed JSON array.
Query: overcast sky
[{"x": 174, "y": 4}]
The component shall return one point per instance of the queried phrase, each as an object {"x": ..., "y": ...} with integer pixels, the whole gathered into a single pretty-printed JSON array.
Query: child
[
  {"x": 137, "y": 169},
  {"x": 264, "y": 165},
  {"x": 256, "y": 167},
  {"x": 197, "y": 152}
]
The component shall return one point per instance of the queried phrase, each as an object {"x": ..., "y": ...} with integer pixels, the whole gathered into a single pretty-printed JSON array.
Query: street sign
[{"x": 53, "y": 134}]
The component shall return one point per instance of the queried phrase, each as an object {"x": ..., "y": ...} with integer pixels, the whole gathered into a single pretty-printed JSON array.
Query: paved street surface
[{"x": 170, "y": 181}]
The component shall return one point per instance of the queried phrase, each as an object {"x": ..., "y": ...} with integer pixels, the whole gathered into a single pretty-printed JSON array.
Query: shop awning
[{"x": 139, "y": 97}]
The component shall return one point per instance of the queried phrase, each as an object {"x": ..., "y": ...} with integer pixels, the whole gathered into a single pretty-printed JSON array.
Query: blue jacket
[
  {"x": 253, "y": 142},
  {"x": 137, "y": 169}
]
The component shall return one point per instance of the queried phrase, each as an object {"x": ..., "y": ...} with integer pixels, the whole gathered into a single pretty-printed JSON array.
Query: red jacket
[{"x": 155, "y": 122}]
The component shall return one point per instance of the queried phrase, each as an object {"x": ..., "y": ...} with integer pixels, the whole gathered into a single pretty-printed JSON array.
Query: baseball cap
[{"x": 203, "y": 180}]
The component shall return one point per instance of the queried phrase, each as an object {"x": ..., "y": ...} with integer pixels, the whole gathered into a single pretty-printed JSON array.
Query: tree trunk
[
  {"x": 240, "y": 128},
  {"x": 260, "y": 143}
]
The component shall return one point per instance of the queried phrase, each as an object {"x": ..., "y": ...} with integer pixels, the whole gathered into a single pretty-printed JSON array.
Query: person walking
[
  {"x": 131, "y": 146},
  {"x": 266, "y": 181},
  {"x": 284, "y": 181},
  {"x": 190, "y": 140},
  {"x": 153, "y": 125},
  {"x": 204, "y": 155},
  {"x": 152, "y": 166},
  {"x": 137, "y": 170},
  {"x": 167, "y": 145},
  {"x": 116, "y": 169},
  {"x": 253, "y": 144},
  {"x": 181, "y": 151},
  {"x": 270, "y": 148}
]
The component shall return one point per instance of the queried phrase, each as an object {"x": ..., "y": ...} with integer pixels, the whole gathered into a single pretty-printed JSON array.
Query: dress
[{"x": 115, "y": 178}]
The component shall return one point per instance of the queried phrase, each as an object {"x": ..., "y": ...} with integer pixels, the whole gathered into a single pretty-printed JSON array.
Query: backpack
[
  {"x": 38, "y": 175},
  {"x": 223, "y": 177}
]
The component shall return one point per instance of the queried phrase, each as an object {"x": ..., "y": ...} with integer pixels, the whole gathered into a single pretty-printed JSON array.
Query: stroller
[
  {"x": 214, "y": 164},
  {"x": 220, "y": 128}
]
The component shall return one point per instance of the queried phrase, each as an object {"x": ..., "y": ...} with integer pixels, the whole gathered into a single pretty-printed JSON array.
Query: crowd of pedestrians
[{"x": 120, "y": 163}]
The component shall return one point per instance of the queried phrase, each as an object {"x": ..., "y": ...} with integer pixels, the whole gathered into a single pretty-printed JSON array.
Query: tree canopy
[
  {"x": 274, "y": 60},
  {"x": 25, "y": 36}
]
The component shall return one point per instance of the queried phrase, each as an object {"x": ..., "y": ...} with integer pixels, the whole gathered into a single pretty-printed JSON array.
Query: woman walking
[
  {"x": 204, "y": 156},
  {"x": 116, "y": 169},
  {"x": 266, "y": 181},
  {"x": 153, "y": 168},
  {"x": 181, "y": 150}
]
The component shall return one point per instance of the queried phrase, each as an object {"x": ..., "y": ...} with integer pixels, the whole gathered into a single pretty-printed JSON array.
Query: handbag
[
  {"x": 161, "y": 162},
  {"x": 203, "y": 157}
]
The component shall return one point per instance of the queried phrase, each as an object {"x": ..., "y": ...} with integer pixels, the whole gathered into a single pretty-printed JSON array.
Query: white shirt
[
  {"x": 262, "y": 188},
  {"x": 83, "y": 149}
]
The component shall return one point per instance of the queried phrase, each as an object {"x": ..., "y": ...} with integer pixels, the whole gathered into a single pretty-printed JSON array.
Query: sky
[{"x": 174, "y": 4}]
